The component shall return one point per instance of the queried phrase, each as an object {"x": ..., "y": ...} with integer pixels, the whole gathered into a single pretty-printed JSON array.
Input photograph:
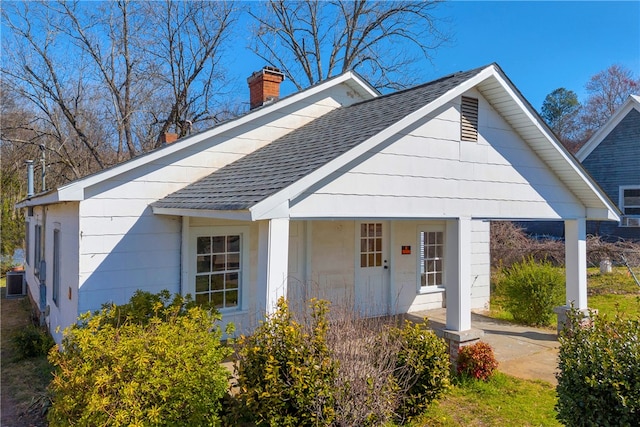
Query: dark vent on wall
[{"x": 469, "y": 119}]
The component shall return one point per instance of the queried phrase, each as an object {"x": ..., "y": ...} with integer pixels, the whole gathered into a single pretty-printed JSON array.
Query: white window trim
[
  {"x": 621, "y": 190},
  {"x": 437, "y": 288},
  {"x": 245, "y": 264}
]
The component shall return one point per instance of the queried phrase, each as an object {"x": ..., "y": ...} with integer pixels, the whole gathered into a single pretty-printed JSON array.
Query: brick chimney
[
  {"x": 168, "y": 137},
  {"x": 264, "y": 86}
]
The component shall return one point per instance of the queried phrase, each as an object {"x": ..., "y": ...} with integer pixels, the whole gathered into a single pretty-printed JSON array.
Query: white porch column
[
  {"x": 459, "y": 274},
  {"x": 575, "y": 232},
  {"x": 273, "y": 258}
]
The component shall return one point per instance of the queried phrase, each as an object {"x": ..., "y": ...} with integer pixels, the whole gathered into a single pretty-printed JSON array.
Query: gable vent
[{"x": 469, "y": 119}]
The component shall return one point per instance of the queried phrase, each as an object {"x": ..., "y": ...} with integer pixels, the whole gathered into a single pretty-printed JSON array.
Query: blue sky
[{"x": 540, "y": 45}]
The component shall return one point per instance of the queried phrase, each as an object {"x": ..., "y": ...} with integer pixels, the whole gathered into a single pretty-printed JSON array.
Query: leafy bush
[
  {"x": 285, "y": 370},
  {"x": 424, "y": 359},
  {"x": 599, "y": 372},
  {"x": 477, "y": 361},
  {"x": 163, "y": 371},
  {"x": 531, "y": 290},
  {"x": 31, "y": 341}
]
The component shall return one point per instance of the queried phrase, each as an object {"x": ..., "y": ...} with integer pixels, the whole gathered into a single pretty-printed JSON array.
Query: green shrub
[
  {"x": 599, "y": 372},
  {"x": 423, "y": 358},
  {"x": 31, "y": 341},
  {"x": 531, "y": 290},
  {"x": 163, "y": 371},
  {"x": 476, "y": 361},
  {"x": 285, "y": 370}
]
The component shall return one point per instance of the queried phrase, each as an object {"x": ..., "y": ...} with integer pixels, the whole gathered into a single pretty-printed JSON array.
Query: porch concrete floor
[{"x": 522, "y": 351}]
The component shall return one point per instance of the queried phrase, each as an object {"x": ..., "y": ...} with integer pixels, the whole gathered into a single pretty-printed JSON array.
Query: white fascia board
[
  {"x": 43, "y": 199},
  {"x": 632, "y": 102},
  {"x": 263, "y": 209},
  {"x": 553, "y": 142},
  {"x": 599, "y": 214},
  {"x": 243, "y": 215},
  {"x": 75, "y": 190}
]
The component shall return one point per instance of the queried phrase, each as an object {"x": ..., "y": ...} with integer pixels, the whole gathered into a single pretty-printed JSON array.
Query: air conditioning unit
[
  {"x": 16, "y": 285},
  {"x": 629, "y": 221}
]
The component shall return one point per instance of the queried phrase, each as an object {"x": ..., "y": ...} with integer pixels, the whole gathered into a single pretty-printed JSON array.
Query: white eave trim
[
  {"x": 633, "y": 102},
  {"x": 243, "y": 215}
]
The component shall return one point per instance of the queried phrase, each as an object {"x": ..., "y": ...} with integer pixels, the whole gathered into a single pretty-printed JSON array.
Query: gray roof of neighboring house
[{"x": 264, "y": 172}]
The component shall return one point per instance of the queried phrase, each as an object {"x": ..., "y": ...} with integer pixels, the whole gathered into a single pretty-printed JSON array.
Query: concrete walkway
[{"x": 522, "y": 351}]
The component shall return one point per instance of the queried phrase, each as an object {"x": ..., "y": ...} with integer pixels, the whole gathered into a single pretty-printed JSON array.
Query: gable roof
[
  {"x": 262, "y": 182},
  {"x": 258, "y": 175},
  {"x": 74, "y": 191},
  {"x": 633, "y": 102}
]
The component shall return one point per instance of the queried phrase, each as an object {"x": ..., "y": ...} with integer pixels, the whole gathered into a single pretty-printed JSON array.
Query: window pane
[
  {"x": 363, "y": 230},
  {"x": 439, "y": 237},
  {"x": 378, "y": 260},
  {"x": 231, "y": 299},
  {"x": 204, "y": 245},
  {"x": 363, "y": 260},
  {"x": 217, "y": 298},
  {"x": 363, "y": 245},
  {"x": 371, "y": 245},
  {"x": 233, "y": 243},
  {"x": 204, "y": 264},
  {"x": 431, "y": 251},
  {"x": 202, "y": 298},
  {"x": 438, "y": 278},
  {"x": 632, "y": 211},
  {"x": 379, "y": 245},
  {"x": 202, "y": 283},
  {"x": 371, "y": 260},
  {"x": 218, "y": 244},
  {"x": 431, "y": 238},
  {"x": 231, "y": 281},
  {"x": 233, "y": 261},
  {"x": 378, "y": 230},
  {"x": 218, "y": 262},
  {"x": 439, "y": 251},
  {"x": 217, "y": 282},
  {"x": 372, "y": 230}
]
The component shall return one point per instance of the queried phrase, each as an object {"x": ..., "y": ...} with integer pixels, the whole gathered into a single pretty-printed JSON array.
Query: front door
[{"x": 372, "y": 268}]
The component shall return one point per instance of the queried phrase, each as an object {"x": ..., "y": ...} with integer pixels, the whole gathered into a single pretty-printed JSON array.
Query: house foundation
[{"x": 457, "y": 339}]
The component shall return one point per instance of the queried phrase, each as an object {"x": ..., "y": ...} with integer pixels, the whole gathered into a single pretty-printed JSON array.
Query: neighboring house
[
  {"x": 612, "y": 158},
  {"x": 382, "y": 202}
]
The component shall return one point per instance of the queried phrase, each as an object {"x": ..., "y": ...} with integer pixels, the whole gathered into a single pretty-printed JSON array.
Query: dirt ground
[{"x": 13, "y": 412}]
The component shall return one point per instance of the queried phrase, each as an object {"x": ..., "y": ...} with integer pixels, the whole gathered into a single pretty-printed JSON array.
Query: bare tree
[
  {"x": 34, "y": 68},
  {"x": 312, "y": 40},
  {"x": 607, "y": 90},
  {"x": 189, "y": 45}
]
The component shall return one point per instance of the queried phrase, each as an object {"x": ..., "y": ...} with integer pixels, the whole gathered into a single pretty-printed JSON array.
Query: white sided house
[{"x": 381, "y": 202}]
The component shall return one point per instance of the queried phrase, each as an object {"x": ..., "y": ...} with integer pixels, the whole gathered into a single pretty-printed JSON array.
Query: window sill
[
  {"x": 431, "y": 290},
  {"x": 232, "y": 313}
]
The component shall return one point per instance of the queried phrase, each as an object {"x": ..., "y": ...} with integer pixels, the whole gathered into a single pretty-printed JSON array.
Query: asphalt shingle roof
[{"x": 264, "y": 172}]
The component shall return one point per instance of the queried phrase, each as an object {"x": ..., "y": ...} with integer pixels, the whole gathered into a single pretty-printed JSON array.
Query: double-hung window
[
  {"x": 431, "y": 259},
  {"x": 630, "y": 206},
  {"x": 218, "y": 270}
]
